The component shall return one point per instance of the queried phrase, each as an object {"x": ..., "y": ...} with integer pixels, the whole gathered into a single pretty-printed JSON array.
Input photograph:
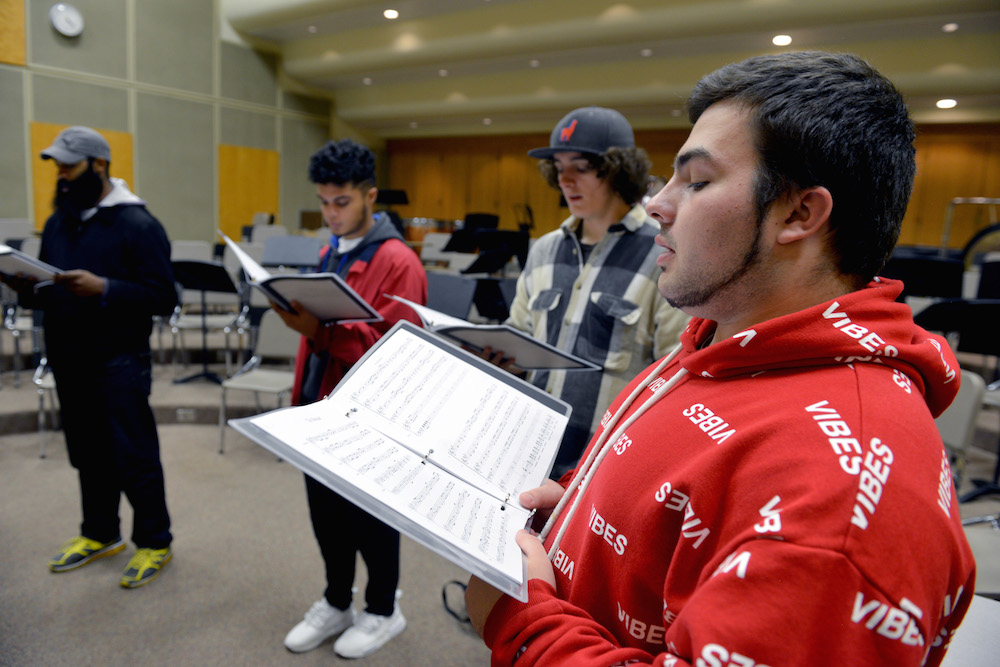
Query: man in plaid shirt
[{"x": 589, "y": 287}]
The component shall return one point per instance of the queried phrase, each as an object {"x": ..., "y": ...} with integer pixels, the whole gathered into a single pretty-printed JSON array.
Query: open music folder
[
  {"x": 433, "y": 441},
  {"x": 529, "y": 353},
  {"x": 14, "y": 262},
  {"x": 325, "y": 295}
]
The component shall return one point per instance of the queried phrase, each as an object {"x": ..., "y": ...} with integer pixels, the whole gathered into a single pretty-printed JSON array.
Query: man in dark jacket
[{"x": 115, "y": 276}]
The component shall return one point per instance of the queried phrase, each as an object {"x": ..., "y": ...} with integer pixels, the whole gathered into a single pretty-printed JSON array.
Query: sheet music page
[
  {"x": 431, "y": 318},
  {"x": 255, "y": 272},
  {"x": 474, "y": 522},
  {"x": 434, "y": 441},
  {"x": 488, "y": 432}
]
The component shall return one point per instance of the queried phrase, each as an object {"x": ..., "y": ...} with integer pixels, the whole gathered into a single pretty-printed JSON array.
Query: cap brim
[
  {"x": 62, "y": 155},
  {"x": 549, "y": 151}
]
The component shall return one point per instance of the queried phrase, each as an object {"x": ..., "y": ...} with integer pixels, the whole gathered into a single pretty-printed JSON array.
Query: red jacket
[
  {"x": 787, "y": 502},
  {"x": 394, "y": 269}
]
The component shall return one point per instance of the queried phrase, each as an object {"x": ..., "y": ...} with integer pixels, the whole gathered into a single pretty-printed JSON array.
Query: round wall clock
[{"x": 66, "y": 19}]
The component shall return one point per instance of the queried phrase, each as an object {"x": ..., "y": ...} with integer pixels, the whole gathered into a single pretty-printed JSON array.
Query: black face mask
[{"x": 81, "y": 193}]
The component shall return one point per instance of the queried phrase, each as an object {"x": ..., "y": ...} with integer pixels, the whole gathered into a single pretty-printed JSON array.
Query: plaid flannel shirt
[{"x": 607, "y": 310}]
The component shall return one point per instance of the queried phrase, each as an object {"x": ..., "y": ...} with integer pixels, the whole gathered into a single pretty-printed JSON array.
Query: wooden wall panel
[
  {"x": 13, "y": 50},
  {"x": 448, "y": 177},
  {"x": 248, "y": 183},
  {"x": 43, "y": 172},
  {"x": 951, "y": 162}
]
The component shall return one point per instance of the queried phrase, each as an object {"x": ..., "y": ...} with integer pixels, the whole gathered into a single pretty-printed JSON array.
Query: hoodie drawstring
[{"x": 585, "y": 472}]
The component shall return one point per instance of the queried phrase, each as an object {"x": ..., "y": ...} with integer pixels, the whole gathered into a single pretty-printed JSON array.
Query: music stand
[
  {"x": 204, "y": 277},
  {"x": 496, "y": 247}
]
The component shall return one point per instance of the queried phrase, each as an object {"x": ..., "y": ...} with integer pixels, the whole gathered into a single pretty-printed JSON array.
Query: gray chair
[
  {"x": 291, "y": 251},
  {"x": 977, "y": 641},
  {"x": 957, "y": 424},
  {"x": 275, "y": 344},
  {"x": 450, "y": 293},
  {"x": 45, "y": 384}
]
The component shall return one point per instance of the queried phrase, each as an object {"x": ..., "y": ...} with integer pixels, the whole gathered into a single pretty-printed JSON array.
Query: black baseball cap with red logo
[{"x": 588, "y": 130}]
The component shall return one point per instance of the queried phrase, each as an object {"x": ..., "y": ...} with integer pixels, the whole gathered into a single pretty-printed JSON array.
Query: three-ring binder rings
[{"x": 432, "y": 440}]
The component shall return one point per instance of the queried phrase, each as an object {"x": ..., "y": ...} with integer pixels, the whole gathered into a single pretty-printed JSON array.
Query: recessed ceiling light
[
  {"x": 367, "y": 81},
  {"x": 487, "y": 121},
  {"x": 645, "y": 53},
  {"x": 533, "y": 63},
  {"x": 675, "y": 112},
  {"x": 946, "y": 104},
  {"x": 781, "y": 40},
  {"x": 312, "y": 28},
  {"x": 949, "y": 27},
  {"x": 390, "y": 14},
  {"x": 442, "y": 72},
  {"x": 413, "y": 124}
]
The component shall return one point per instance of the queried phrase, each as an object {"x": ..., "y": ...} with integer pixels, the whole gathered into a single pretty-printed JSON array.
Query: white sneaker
[
  {"x": 369, "y": 633},
  {"x": 321, "y": 622}
]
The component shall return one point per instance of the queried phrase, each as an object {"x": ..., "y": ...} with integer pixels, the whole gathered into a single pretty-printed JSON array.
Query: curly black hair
[
  {"x": 341, "y": 162},
  {"x": 626, "y": 169}
]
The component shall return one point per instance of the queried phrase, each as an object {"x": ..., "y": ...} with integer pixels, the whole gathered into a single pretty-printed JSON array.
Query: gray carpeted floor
[{"x": 246, "y": 566}]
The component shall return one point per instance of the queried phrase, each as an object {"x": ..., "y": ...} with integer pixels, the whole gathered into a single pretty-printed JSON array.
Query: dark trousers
[
  {"x": 343, "y": 530},
  {"x": 112, "y": 442}
]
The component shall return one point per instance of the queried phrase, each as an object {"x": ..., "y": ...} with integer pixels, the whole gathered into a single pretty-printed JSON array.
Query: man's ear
[
  {"x": 371, "y": 196},
  {"x": 809, "y": 211}
]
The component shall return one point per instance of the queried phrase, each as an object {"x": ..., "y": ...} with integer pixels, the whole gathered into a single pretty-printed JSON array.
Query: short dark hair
[
  {"x": 831, "y": 120},
  {"x": 627, "y": 169},
  {"x": 342, "y": 162}
]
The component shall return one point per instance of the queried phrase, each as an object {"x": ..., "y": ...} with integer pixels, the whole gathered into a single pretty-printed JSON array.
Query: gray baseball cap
[
  {"x": 77, "y": 143},
  {"x": 588, "y": 130}
]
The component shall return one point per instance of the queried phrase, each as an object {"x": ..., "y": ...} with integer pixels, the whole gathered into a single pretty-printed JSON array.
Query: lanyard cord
[{"x": 585, "y": 473}]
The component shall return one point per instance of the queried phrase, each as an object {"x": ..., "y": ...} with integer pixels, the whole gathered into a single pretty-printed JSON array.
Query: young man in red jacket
[
  {"x": 775, "y": 490},
  {"x": 369, "y": 254}
]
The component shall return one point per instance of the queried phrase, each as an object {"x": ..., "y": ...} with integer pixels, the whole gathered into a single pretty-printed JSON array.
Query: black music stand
[{"x": 204, "y": 277}]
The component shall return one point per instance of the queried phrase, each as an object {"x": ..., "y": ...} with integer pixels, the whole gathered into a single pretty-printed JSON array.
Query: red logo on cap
[{"x": 567, "y": 131}]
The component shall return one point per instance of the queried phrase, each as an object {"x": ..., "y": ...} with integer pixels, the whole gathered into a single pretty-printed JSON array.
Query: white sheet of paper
[{"x": 487, "y": 427}]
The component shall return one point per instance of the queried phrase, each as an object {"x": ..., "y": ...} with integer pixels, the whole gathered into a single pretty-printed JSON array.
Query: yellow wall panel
[
  {"x": 12, "y": 41},
  {"x": 248, "y": 184},
  {"x": 43, "y": 172}
]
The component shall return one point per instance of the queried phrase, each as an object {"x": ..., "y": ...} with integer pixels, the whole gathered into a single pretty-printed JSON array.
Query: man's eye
[{"x": 697, "y": 186}]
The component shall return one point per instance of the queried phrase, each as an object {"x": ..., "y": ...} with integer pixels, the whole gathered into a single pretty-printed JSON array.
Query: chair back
[
  {"x": 289, "y": 250},
  {"x": 31, "y": 246},
  {"x": 957, "y": 424},
  {"x": 200, "y": 250},
  {"x": 977, "y": 640},
  {"x": 274, "y": 339},
  {"x": 450, "y": 294},
  {"x": 15, "y": 228},
  {"x": 989, "y": 277}
]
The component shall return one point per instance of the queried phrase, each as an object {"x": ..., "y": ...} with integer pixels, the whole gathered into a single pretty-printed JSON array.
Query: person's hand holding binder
[
  {"x": 19, "y": 283},
  {"x": 80, "y": 282},
  {"x": 301, "y": 320},
  {"x": 480, "y": 597}
]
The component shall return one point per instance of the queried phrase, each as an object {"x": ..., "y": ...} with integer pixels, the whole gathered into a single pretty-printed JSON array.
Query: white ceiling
[{"x": 458, "y": 67}]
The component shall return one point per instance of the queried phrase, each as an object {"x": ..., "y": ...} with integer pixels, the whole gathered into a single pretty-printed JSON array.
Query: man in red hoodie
[
  {"x": 369, "y": 254},
  {"x": 775, "y": 490}
]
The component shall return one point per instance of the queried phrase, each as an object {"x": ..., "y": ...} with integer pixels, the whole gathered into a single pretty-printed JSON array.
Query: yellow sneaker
[
  {"x": 82, "y": 550},
  {"x": 144, "y": 566}
]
